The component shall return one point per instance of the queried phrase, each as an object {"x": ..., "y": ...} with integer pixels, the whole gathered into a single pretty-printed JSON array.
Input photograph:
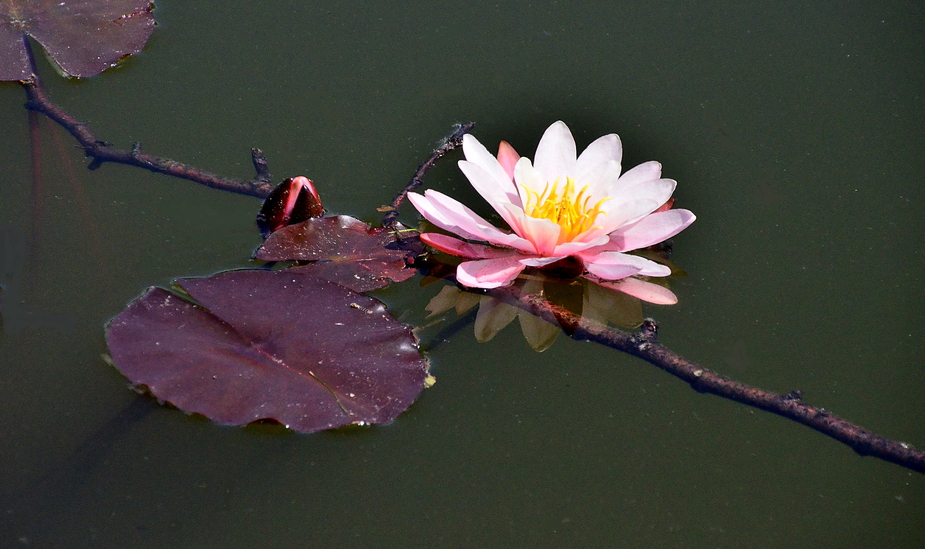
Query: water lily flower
[{"x": 561, "y": 205}]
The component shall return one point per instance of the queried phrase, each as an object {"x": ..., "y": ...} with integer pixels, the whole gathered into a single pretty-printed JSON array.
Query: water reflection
[{"x": 593, "y": 302}]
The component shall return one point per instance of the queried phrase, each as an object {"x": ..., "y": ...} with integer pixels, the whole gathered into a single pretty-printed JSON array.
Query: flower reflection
[
  {"x": 494, "y": 315},
  {"x": 594, "y": 302}
]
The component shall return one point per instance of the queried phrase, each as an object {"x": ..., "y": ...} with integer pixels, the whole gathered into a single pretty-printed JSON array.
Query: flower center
[{"x": 566, "y": 207}]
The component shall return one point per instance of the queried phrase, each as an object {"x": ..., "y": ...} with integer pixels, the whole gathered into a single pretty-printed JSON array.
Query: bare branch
[
  {"x": 449, "y": 143},
  {"x": 101, "y": 152},
  {"x": 644, "y": 344}
]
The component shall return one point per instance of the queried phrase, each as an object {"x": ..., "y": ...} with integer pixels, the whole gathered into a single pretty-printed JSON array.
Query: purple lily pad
[
  {"x": 345, "y": 250},
  {"x": 84, "y": 37},
  {"x": 277, "y": 345}
]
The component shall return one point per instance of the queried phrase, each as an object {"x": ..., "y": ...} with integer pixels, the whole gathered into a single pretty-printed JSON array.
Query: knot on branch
[
  {"x": 647, "y": 334},
  {"x": 261, "y": 166}
]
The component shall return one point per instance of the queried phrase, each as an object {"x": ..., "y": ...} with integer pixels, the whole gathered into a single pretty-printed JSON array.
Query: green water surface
[{"x": 796, "y": 134}]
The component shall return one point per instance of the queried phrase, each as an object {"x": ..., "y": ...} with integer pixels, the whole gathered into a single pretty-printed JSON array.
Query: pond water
[{"x": 795, "y": 132}]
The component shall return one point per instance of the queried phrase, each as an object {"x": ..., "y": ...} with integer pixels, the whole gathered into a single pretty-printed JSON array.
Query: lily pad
[
  {"x": 278, "y": 345},
  {"x": 344, "y": 250},
  {"x": 84, "y": 37}
]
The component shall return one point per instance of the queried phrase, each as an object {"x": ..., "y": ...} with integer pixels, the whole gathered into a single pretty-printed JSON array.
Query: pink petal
[
  {"x": 542, "y": 233},
  {"x": 652, "y": 229},
  {"x": 507, "y": 157},
  {"x": 452, "y": 216},
  {"x": 646, "y": 291},
  {"x": 442, "y": 213},
  {"x": 459, "y": 248},
  {"x": 489, "y": 273},
  {"x": 307, "y": 184},
  {"x": 666, "y": 206},
  {"x": 555, "y": 155}
]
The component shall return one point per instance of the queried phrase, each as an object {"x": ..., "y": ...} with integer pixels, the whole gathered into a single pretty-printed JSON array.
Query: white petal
[
  {"x": 608, "y": 265},
  {"x": 528, "y": 178},
  {"x": 647, "y": 171},
  {"x": 612, "y": 272},
  {"x": 619, "y": 214},
  {"x": 652, "y": 229},
  {"x": 604, "y": 149},
  {"x": 477, "y": 154},
  {"x": 571, "y": 248},
  {"x": 601, "y": 180},
  {"x": 540, "y": 261},
  {"x": 633, "y": 204},
  {"x": 555, "y": 155},
  {"x": 496, "y": 193}
]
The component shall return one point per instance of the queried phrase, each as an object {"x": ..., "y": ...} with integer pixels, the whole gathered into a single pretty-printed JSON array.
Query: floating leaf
[
  {"x": 277, "y": 345},
  {"x": 84, "y": 37},
  {"x": 345, "y": 250}
]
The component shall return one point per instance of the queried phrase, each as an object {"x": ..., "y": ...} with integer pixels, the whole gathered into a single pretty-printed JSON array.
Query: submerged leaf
[
  {"x": 84, "y": 37},
  {"x": 277, "y": 345},
  {"x": 345, "y": 250}
]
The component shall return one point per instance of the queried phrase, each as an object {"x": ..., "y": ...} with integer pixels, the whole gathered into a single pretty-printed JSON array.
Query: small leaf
[
  {"x": 84, "y": 37},
  {"x": 277, "y": 345},
  {"x": 345, "y": 250}
]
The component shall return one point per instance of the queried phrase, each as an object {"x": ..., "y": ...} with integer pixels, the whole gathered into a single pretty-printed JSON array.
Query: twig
[
  {"x": 644, "y": 344},
  {"x": 449, "y": 143},
  {"x": 100, "y": 151}
]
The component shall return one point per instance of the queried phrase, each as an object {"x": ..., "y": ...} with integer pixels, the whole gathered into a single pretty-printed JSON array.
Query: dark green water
[{"x": 796, "y": 135}]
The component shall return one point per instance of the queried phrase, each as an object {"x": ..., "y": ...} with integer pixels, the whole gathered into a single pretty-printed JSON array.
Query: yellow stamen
[{"x": 565, "y": 207}]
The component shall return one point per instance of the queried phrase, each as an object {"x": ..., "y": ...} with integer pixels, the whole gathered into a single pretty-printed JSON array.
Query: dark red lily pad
[
  {"x": 84, "y": 37},
  {"x": 345, "y": 250},
  {"x": 277, "y": 345}
]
